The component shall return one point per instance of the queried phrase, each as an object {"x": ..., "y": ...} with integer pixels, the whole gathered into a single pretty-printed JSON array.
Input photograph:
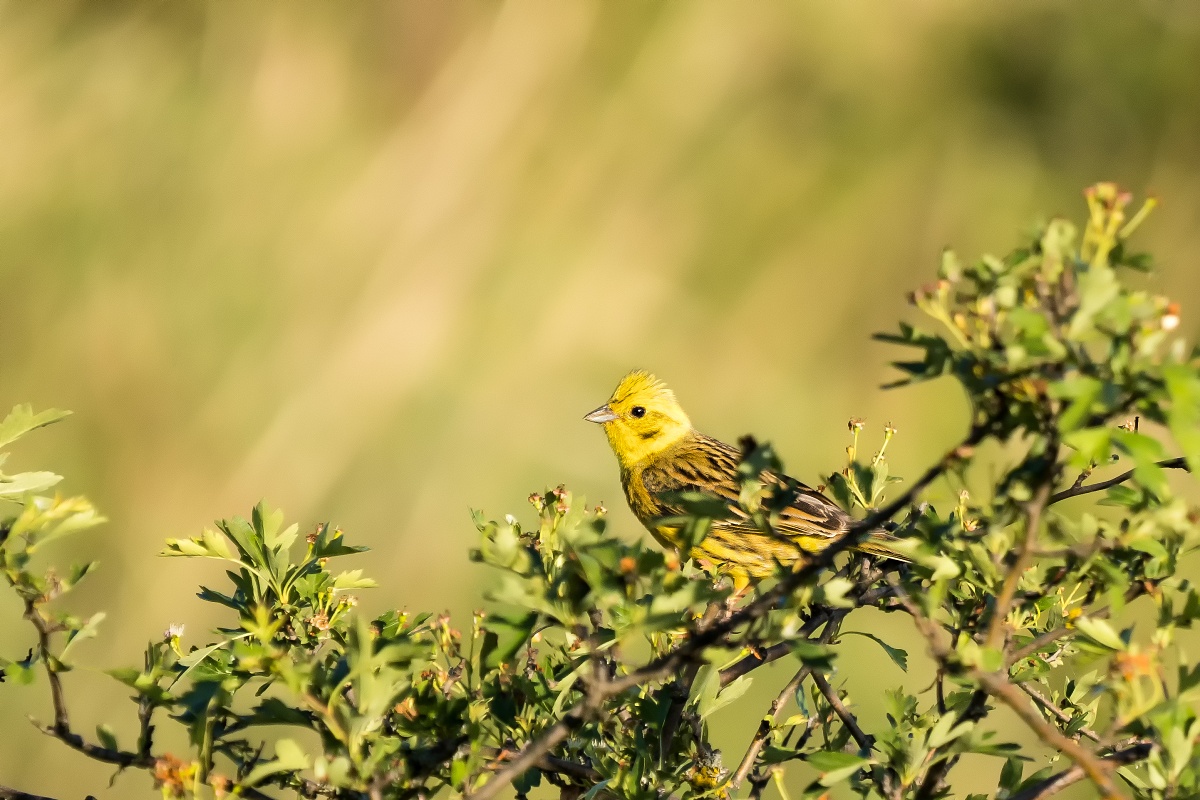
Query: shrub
[{"x": 599, "y": 663}]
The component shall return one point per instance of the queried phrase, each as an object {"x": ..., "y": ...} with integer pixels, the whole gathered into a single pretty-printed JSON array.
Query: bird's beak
[{"x": 601, "y": 414}]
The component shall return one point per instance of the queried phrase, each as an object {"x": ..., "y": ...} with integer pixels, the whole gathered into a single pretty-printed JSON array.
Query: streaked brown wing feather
[{"x": 710, "y": 466}]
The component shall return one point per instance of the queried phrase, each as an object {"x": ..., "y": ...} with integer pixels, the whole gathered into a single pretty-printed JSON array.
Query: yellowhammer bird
[{"x": 661, "y": 454}]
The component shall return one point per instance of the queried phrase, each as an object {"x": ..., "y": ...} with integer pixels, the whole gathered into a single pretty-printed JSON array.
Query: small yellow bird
[{"x": 660, "y": 454}]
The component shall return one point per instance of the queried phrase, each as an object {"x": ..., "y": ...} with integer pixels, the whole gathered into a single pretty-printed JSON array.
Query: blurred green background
[{"x": 373, "y": 261}]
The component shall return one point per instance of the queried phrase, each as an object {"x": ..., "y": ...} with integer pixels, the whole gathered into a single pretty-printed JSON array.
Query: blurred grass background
[{"x": 374, "y": 261}]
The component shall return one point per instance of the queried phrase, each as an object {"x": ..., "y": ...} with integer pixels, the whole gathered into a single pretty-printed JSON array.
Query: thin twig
[
  {"x": 1050, "y": 637},
  {"x": 1057, "y": 782},
  {"x": 1097, "y": 770},
  {"x": 1099, "y": 486},
  {"x": 1046, "y": 639},
  {"x": 765, "y": 726},
  {"x": 1056, "y": 712},
  {"x": 680, "y": 689},
  {"x": 1025, "y": 550},
  {"x": 62, "y": 723},
  {"x": 936, "y": 775},
  {"x": 598, "y": 690}
]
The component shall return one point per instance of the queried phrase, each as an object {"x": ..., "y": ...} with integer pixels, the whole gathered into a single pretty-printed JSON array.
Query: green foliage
[{"x": 600, "y": 663}]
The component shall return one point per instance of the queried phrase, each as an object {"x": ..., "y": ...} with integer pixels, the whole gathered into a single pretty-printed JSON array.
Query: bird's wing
[{"x": 710, "y": 466}]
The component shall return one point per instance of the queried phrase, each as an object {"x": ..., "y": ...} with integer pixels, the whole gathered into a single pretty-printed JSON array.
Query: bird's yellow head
[{"x": 641, "y": 419}]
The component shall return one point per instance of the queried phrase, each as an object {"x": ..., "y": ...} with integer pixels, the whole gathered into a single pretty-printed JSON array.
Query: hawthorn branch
[
  {"x": 998, "y": 686},
  {"x": 1091, "y": 765},
  {"x": 975, "y": 711},
  {"x": 681, "y": 689},
  {"x": 1100, "y": 486},
  {"x": 698, "y": 641},
  {"x": 599, "y": 689},
  {"x": 571, "y": 769},
  {"x": 61, "y": 728},
  {"x": 819, "y": 616}
]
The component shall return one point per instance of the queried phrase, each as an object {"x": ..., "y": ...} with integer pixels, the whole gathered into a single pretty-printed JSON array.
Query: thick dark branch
[
  {"x": 864, "y": 742},
  {"x": 12, "y": 794},
  {"x": 820, "y": 615},
  {"x": 1100, "y": 486},
  {"x": 756, "y": 659},
  {"x": 753, "y": 661},
  {"x": 1056, "y": 783},
  {"x": 571, "y": 769}
]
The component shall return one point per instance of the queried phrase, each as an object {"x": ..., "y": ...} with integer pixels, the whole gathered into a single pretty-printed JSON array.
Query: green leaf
[
  {"x": 1092, "y": 445},
  {"x": 835, "y": 766},
  {"x": 1098, "y": 286},
  {"x": 289, "y": 757},
  {"x": 22, "y": 674},
  {"x": 209, "y": 544},
  {"x": 107, "y": 737},
  {"x": 86, "y": 631},
  {"x": 21, "y": 420},
  {"x": 195, "y": 657},
  {"x": 818, "y": 656},
  {"x": 1183, "y": 417},
  {"x": 1010, "y": 775},
  {"x": 899, "y": 657},
  {"x": 1082, "y": 392},
  {"x": 353, "y": 579},
  {"x": 27, "y": 483},
  {"x": 713, "y": 698},
  {"x": 506, "y": 633},
  {"x": 595, "y": 790},
  {"x": 1100, "y": 632},
  {"x": 945, "y": 731}
]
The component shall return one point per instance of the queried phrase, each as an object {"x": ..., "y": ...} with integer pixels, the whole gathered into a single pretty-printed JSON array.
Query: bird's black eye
[{"x": 638, "y": 411}]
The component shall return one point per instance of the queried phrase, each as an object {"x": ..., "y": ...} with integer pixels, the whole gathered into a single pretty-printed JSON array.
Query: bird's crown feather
[{"x": 641, "y": 384}]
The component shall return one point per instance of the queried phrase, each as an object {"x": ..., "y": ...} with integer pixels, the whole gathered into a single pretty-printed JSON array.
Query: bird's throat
[{"x": 634, "y": 447}]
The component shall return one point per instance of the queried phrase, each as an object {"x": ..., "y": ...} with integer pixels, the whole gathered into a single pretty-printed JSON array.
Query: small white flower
[
  {"x": 510, "y": 519},
  {"x": 174, "y": 630}
]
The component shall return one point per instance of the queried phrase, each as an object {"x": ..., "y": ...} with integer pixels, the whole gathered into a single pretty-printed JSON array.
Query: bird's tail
[{"x": 882, "y": 543}]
